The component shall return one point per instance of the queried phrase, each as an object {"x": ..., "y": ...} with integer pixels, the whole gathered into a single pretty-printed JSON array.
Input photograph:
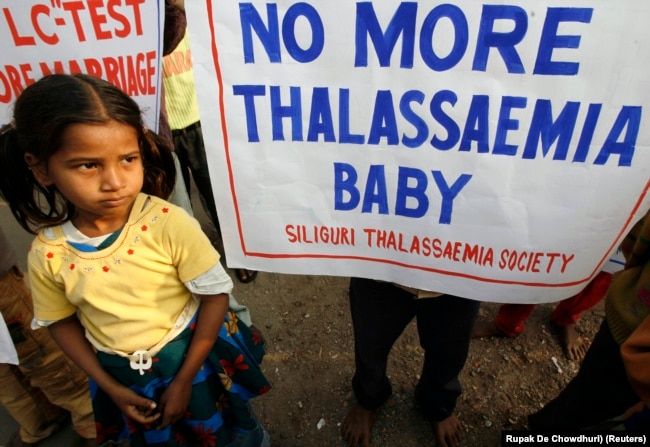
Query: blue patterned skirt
[{"x": 218, "y": 412}]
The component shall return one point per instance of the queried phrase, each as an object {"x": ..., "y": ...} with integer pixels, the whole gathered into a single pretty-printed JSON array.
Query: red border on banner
[{"x": 224, "y": 128}]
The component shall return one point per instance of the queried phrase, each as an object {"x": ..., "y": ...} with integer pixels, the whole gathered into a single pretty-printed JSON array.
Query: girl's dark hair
[{"x": 42, "y": 113}]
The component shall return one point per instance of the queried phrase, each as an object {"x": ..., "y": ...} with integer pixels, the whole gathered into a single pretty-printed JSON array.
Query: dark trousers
[
  {"x": 380, "y": 313},
  {"x": 190, "y": 150},
  {"x": 599, "y": 391}
]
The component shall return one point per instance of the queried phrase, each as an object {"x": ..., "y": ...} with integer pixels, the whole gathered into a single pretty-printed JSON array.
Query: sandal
[{"x": 245, "y": 276}]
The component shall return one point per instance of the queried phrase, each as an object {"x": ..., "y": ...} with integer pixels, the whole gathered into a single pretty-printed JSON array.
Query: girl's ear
[{"x": 38, "y": 169}]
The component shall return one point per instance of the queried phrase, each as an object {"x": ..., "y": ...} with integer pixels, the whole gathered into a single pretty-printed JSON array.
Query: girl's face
[{"x": 99, "y": 169}]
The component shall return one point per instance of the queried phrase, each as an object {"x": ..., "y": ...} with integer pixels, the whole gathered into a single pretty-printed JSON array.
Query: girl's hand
[
  {"x": 69, "y": 334},
  {"x": 138, "y": 408},
  {"x": 174, "y": 402}
]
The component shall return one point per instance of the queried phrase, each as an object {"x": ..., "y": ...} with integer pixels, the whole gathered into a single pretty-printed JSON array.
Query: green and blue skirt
[{"x": 218, "y": 414}]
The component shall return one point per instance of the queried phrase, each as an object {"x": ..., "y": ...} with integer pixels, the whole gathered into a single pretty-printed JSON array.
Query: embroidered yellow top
[{"x": 129, "y": 294}]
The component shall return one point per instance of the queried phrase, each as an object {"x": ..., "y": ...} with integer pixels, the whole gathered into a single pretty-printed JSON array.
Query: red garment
[{"x": 512, "y": 317}]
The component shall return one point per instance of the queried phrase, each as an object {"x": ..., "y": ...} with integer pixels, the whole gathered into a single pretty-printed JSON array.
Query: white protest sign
[
  {"x": 120, "y": 41},
  {"x": 497, "y": 152}
]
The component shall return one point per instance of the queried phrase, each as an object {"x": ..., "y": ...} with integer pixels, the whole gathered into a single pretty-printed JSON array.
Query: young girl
[{"x": 127, "y": 283}]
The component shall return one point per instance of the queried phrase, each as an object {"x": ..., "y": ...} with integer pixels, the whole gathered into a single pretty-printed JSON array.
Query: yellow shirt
[
  {"x": 129, "y": 294},
  {"x": 180, "y": 91}
]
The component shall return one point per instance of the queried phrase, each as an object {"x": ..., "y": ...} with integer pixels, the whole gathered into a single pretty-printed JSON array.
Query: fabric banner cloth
[
  {"x": 497, "y": 152},
  {"x": 120, "y": 41}
]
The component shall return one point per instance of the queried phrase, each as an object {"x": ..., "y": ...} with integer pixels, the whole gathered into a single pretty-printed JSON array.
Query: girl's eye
[
  {"x": 87, "y": 166},
  {"x": 130, "y": 159}
]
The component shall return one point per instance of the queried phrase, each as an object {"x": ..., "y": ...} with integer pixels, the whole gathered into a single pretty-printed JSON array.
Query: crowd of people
[{"x": 144, "y": 364}]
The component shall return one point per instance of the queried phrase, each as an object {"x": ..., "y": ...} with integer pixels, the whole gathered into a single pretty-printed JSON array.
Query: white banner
[
  {"x": 492, "y": 151},
  {"x": 120, "y": 41}
]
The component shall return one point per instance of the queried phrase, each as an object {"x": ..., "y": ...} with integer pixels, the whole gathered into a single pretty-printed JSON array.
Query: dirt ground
[{"x": 309, "y": 361}]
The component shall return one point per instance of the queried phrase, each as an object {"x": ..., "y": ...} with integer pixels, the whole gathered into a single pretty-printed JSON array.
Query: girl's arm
[
  {"x": 212, "y": 314},
  {"x": 69, "y": 335}
]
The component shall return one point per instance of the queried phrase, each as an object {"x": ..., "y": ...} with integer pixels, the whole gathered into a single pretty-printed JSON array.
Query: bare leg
[
  {"x": 448, "y": 432},
  {"x": 575, "y": 347},
  {"x": 357, "y": 426},
  {"x": 486, "y": 328}
]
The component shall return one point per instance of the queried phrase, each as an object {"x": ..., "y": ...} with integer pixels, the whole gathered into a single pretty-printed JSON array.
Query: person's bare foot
[
  {"x": 486, "y": 328},
  {"x": 245, "y": 276},
  {"x": 575, "y": 347},
  {"x": 448, "y": 432},
  {"x": 357, "y": 426}
]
